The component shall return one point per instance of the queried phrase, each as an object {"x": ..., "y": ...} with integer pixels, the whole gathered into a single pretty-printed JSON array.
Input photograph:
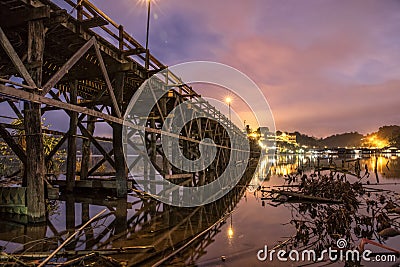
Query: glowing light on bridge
[
  {"x": 228, "y": 100},
  {"x": 230, "y": 232}
]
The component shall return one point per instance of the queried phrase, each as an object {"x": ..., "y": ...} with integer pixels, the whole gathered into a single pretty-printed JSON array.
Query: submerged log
[{"x": 304, "y": 197}]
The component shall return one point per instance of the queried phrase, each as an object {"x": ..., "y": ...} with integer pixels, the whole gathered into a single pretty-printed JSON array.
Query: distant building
[{"x": 285, "y": 138}]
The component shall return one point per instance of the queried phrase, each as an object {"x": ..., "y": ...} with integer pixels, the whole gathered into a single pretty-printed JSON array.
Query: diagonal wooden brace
[
  {"x": 5, "y": 43},
  {"x": 107, "y": 79},
  {"x": 16, "y": 148},
  {"x": 67, "y": 66}
]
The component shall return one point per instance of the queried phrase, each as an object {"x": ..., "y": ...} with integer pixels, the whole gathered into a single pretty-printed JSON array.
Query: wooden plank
[
  {"x": 93, "y": 22},
  {"x": 135, "y": 51},
  {"x": 178, "y": 176},
  {"x": 15, "y": 18},
  {"x": 5, "y": 43},
  {"x": 90, "y": 183},
  {"x": 67, "y": 66}
]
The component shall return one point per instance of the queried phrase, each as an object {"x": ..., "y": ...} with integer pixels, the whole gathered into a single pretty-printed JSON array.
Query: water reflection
[
  {"x": 366, "y": 212},
  {"x": 139, "y": 230},
  {"x": 149, "y": 231}
]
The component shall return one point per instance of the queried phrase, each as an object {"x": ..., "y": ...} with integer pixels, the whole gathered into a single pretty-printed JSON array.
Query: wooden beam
[
  {"x": 120, "y": 165},
  {"x": 35, "y": 98},
  {"x": 56, "y": 148},
  {"x": 35, "y": 168},
  {"x": 86, "y": 133},
  {"x": 93, "y": 22},
  {"x": 15, "y": 147},
  {"x": 67, "y": 66},
  {"x": 135, "y": 51},
  {"x": 5, "y": 43},
  {"x": 86, "y": 149},
  {"x": 73, "y": 123},
  {"x": 15, "y": 109},
  {"x": 92, "y": 183},
  {"x": 107, "y": 79},
  {"x": 16, "y": 18},
  {"x": 178, "y": 176},
  {"x": 98, "y": 164}
]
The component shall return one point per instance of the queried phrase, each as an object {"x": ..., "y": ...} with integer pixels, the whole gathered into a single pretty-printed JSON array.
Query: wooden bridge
[{"x": 73, "y": 57}]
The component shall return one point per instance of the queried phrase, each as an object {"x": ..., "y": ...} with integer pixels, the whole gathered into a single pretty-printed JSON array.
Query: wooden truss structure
[{"x": 84, "y": 63}]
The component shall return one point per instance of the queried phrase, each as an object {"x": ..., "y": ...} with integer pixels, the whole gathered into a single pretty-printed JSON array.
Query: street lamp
[
  {"x": 147, "y": 35},
  {"x": 228, "y": 100}
]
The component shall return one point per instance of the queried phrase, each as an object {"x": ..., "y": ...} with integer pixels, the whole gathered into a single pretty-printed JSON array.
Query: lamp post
[
  {"x": 228, "y": 100},
  {"x": 147, "y": 35}
]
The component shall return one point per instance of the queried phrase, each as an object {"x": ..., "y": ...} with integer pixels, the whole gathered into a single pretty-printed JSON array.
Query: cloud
[{"x": 324, "y": 66}]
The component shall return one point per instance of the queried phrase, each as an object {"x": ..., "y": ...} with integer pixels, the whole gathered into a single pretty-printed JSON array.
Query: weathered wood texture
[
  {"x": 86, "y": 153},
  {"x": 120, "y": 165},
  {"x": 73, "y": 124},
  {"x": 35, "y": 168}
]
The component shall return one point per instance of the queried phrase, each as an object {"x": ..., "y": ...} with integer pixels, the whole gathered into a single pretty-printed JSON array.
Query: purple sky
[{"x": 324, "y": 66}]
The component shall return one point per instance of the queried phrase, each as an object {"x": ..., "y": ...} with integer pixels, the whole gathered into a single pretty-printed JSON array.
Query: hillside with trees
[{"x": 384, "y": 137}]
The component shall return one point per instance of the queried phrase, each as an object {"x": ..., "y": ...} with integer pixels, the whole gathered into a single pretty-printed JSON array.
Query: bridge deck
[{"x": 65, "y": 35}]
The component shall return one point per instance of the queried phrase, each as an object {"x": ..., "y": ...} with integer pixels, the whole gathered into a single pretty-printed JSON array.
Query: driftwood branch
[{"x": 70, "y": 238}]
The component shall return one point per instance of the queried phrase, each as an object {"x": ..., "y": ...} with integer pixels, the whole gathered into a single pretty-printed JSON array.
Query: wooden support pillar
[
  {"x": 163, "y": 104},
  {"x": 89, "y": 231},
  {"x": 86, "y": 153},
  {"x": 35, "y": 232},
  {"x": 153, "y": 153},
  {"x": 35, "y": 168},
  {"x": 121, "y": 216},
  {"x": 73, "y": 124},
  {"x": 69, "y": 212},
  {"x": 120, "y": 166}
]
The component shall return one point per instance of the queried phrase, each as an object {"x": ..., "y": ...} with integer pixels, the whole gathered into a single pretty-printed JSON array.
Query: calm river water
[
  {"x": 231, "y": 231},
  {"x": 257, "y": 223}
]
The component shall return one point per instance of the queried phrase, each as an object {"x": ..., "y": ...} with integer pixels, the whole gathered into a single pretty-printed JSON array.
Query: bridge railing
[
  {"x": 198, "y": 103},
  {"x": 112, "y": 31},
  {"x": 130, "y": 48}
]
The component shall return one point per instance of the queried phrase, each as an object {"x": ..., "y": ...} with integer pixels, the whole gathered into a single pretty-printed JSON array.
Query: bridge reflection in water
[{"x": 142, "y": 230}]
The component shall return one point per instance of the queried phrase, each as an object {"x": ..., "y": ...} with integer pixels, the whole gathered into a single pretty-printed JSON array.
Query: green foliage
[{"x": 49, "y": 142}]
